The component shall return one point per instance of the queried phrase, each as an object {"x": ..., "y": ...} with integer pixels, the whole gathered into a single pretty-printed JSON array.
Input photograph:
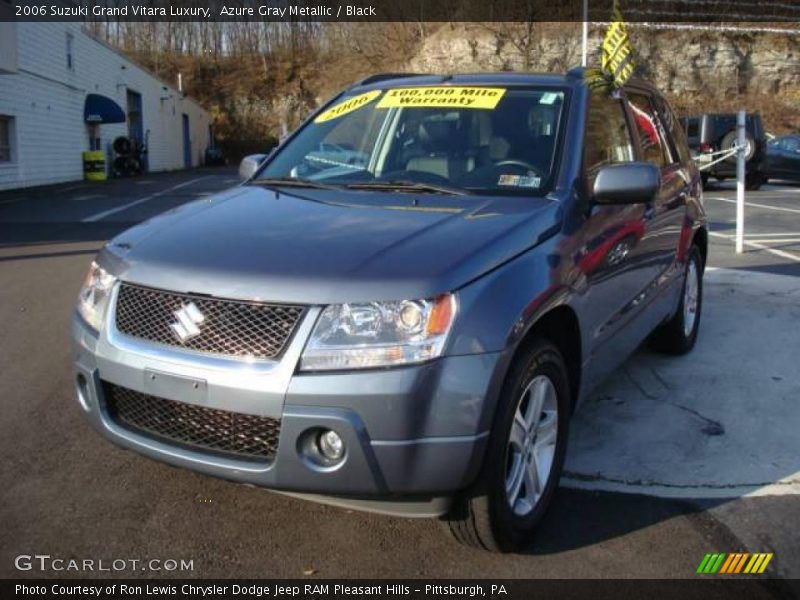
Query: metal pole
[
  {"x": 740, "y": 175},
  {"x": 585, "y": 32}
]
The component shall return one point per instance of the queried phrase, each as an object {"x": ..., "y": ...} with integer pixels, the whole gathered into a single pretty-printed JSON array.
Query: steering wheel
[{"x": 518, "y": 163}]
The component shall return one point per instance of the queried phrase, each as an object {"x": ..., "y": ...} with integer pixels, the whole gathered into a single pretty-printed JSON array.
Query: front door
[
  {"x": 187, "y": 143},
  {"x": 666, "y": 214},
  {"x": 611, "y": 263}
]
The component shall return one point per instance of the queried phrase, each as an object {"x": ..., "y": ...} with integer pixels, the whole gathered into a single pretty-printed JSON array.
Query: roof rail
[
  {"x": 576, "y": 72},
  {"x": 384, "y": 76}
]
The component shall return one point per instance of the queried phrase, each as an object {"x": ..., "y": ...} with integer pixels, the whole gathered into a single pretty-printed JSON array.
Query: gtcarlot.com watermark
[{"x": 48, "y": 563}]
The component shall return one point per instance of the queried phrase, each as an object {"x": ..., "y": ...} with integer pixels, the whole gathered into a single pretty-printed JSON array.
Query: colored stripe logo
[{"x": 734, "y": 563}]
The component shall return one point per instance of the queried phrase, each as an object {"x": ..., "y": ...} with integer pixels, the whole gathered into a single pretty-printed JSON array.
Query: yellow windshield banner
[
  {"x": 347, "y": 106},
  {"x": 459, "y": 97}
]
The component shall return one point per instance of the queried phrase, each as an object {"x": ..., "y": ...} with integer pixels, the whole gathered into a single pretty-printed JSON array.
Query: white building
[{"x": 53, "y": 76}]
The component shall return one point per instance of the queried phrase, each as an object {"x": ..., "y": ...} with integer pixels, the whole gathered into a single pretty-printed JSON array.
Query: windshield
[{"x": 466, "y": 139}]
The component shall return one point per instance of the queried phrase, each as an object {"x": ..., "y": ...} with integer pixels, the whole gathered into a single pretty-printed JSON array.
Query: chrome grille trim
[{"x": 233, "y": 328}]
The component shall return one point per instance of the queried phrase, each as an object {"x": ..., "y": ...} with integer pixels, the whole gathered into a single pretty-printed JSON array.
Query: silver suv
[{"x": 401, "y": 307}]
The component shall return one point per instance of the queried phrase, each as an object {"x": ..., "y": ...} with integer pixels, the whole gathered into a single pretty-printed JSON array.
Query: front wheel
[
  {"x": 679, "y": 334},
  {"x": 525, "y": 456}
]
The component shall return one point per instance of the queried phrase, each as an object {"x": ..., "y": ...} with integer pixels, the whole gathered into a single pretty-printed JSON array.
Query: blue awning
[{"x": 101, "y": 109}]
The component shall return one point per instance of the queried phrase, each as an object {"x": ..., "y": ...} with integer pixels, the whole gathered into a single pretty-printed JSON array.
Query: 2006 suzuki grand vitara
[{"x": 403, "y": 304}]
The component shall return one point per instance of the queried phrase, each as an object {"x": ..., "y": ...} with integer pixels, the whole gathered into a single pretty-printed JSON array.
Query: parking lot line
[
  {"x": 777, "y": 235},
  {"x": 755, "y": 205},
  {"x": 758, "y": 246},
  {"x": 103, "y": 214}
]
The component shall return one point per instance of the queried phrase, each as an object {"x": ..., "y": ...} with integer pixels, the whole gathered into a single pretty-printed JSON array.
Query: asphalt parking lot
[{"x": 625, "y": 510}]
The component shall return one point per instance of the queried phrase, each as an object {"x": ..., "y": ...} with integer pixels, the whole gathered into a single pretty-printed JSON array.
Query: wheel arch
[{"x": 561, "y": 327}]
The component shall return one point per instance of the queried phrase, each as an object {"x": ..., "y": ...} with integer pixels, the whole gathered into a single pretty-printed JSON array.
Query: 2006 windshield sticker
[
  {"x": 347, "y": 106},
  {"x": 462, "y": 97}
]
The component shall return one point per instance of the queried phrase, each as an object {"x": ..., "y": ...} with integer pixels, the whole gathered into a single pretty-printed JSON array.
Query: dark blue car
[{"x": 403, "y": 305}]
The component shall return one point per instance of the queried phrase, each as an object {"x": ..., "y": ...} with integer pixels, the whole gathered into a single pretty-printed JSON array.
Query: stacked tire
[{"x": 128, "y": 160}]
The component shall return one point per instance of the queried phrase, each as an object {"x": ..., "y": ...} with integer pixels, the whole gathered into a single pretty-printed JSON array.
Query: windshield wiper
[
  {"x": 407, "y": 186},
  {"x": 293, "y": 182}
]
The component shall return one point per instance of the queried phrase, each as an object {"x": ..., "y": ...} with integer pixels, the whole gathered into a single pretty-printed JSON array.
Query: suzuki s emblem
[{"x": 189, "y": 320}]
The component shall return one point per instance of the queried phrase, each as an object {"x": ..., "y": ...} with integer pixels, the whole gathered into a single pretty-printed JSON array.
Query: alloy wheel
[{"x": 531, "y": 445}]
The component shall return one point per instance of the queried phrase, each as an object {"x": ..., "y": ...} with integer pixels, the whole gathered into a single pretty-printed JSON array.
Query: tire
[
  {"x": 754, "y": 181},
  {"x": 729, "y": 141},
  {"x": 679, "y": 334},
  {"x": 704, "y": 180},
  {"x": 122, "y": 145},
  {"x": 483, "y": 516}
]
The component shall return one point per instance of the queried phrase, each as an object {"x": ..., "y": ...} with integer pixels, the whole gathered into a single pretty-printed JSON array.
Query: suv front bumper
[{"x": 413, "y": 436}]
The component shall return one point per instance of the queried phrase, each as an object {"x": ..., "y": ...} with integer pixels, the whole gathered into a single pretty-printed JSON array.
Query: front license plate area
[{"x": 175, "y": 387}]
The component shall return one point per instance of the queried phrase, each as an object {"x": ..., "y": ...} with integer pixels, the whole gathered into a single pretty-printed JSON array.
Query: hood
[{"x": 319, "y": 247}]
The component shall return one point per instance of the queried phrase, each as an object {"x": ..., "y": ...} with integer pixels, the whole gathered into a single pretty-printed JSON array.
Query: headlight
[
  {"x": 93, "y": 299},
  {"x": 379, "y": 334}
]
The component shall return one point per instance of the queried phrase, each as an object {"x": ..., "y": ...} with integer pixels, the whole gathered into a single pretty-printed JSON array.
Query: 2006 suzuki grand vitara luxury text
[{"x": 402, "y": 306}]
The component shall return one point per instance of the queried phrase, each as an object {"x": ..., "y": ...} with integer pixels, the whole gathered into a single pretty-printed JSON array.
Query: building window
[
  {"x": 70, "y": 55},
  {"x": 6, "y": 124}
]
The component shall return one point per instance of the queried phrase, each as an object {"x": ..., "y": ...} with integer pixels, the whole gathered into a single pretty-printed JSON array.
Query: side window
[
  {"x": 791, "y": 144},
  {"x": 693, "y": 128},
  {"x": 652, "y": 139},
  {"x": 674, "y": 130},
  {"x": 608, "y": 139}
]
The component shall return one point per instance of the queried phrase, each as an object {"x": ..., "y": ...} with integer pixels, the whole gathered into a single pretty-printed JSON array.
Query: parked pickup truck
[{"x": 409, "y": 332}]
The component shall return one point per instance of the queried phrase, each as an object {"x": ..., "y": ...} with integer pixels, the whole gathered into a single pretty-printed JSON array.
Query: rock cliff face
[{"x": 698, "y": 70}]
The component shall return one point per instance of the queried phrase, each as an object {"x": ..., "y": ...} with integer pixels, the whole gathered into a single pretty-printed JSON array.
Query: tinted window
[
  {"x": 791, "y": 144},
  {"x": 608, "y": 139},
  {"x": 651, "y": 134},
  {"x": 674, "y": 130}
]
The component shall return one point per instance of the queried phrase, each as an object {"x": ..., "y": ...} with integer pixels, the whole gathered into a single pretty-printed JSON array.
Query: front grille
[
  {"x": 232, "y": 434},
  {"x": 228, "y": 327}
]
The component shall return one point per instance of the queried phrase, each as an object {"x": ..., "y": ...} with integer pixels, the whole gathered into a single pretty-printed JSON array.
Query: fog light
[{"x": 330, "y": 445}]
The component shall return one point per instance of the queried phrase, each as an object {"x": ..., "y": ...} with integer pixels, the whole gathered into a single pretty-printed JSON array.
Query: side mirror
[
  {"x": 626, "y": 183},
  {"x": 249, "y": 165}
]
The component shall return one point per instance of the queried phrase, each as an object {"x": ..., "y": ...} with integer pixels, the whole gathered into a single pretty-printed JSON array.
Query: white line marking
[
  {"x": 106, "y": 213},
  {"x": 755, "y": 205},
  {"x": 758, "y": 246},
  {"x": 763, "y": 235},
  {"x": 775, "y": 241}
]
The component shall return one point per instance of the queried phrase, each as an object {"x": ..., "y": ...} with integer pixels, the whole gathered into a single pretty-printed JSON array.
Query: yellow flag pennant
[{"x": 617, "y": 60}]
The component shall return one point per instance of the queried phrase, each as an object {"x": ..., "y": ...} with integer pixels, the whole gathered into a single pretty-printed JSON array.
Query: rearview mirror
[
  {"x": 626, "y": 183},
  {"x": 249, "y": 165}
]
